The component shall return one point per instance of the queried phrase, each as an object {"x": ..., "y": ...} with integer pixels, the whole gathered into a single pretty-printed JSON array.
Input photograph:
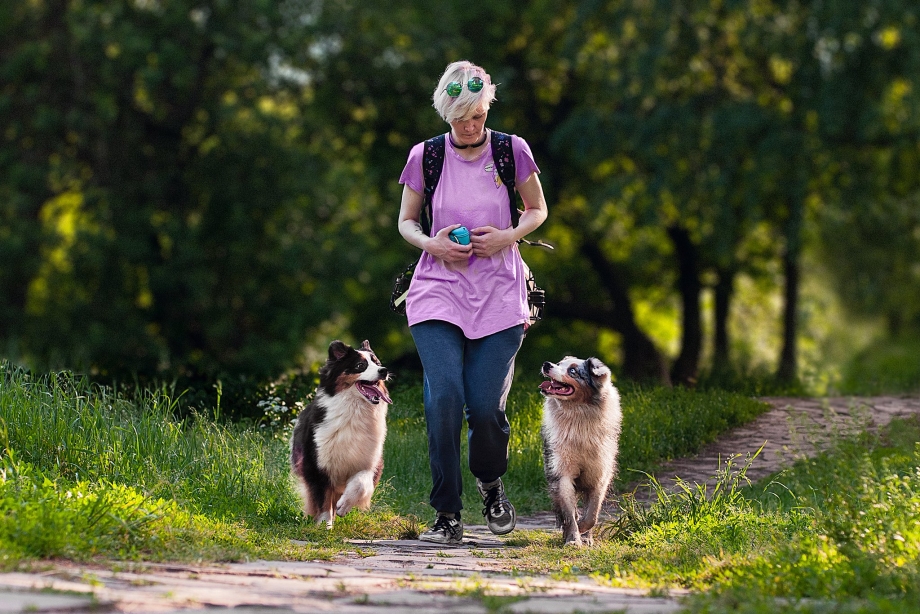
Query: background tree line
[{"x": 198, "y": 190}]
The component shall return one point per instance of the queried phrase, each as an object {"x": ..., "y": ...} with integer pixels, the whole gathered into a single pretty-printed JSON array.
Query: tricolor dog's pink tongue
[{"x": 373, "y": 392}]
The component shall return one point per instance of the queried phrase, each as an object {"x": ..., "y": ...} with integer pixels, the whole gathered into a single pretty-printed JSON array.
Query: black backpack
[{"x": 432, "y": 166}]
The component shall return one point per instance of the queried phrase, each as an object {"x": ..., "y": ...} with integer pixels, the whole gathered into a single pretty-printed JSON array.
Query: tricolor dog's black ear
[
  {"x": 598, "y": 370},
  {"x": 337, "y": 350}
]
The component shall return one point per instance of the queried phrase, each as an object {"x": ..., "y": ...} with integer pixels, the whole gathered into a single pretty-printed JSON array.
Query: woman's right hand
[{"x": 440, "y": 246}]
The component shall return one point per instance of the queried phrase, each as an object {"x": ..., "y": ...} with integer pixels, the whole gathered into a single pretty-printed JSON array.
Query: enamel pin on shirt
[{"x": 490, "y": 168}]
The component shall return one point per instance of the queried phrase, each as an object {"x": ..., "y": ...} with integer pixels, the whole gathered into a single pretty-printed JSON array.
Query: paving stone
[
  {"x": 22, "y": 601},
  {"x": 586, "y": 605}
]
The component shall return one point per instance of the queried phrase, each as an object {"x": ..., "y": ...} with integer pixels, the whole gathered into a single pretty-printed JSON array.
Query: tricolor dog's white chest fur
[{"x": 350, "y": 438}]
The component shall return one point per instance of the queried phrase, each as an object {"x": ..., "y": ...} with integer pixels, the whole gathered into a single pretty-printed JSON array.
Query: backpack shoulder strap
[
  {"x": 432, "y": 165},
  {"x": 503, "y": 156}
]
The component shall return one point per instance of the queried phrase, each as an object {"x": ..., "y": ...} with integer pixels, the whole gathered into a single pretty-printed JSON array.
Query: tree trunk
[
  {"x": 788, "y": 359},
  {"x": 641, "y": 359},
  {"x": 686, "y": 368},
  {"x": 724, "y": 289}
]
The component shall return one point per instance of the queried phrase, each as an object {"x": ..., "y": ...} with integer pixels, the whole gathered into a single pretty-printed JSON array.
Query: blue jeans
[{"x": 474, "y": 374}]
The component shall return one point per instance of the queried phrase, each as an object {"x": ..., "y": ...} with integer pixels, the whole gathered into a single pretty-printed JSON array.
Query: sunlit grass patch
[
  {"x": 860, "y": 548},
  {"x": 678, "y": 542},
  {"x": 70, "y": 429},
  {"x": 863, "y": 542}
]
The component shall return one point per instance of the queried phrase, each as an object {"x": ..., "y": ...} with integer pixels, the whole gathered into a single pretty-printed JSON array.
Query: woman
[{"x": 467, "y": 305}]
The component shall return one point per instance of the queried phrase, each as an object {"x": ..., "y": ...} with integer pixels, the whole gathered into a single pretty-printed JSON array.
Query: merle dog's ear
[
  {"x": 337, "y": 350},
  {"x": 366, "y": 346},
  {"x": 597, "y": 369}
]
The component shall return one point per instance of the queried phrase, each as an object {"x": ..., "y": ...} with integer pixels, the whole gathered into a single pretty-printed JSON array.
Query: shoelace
[
  {"x": 494, "y": 502},
  {"x": 443, "y": 522}
]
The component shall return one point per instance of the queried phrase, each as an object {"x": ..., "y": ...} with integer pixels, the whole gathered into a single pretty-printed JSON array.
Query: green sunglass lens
[
  {"x": 454, "y": 89},
  {"x": 475, "y": 84}
]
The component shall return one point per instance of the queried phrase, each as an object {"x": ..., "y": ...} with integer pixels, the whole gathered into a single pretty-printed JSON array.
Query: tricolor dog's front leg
[
  {"x": 358, "y": 493},
  {"x": 326, "y": 516}
]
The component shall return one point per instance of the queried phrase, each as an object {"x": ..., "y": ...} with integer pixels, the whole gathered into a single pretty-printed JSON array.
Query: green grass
[
  {"x": 862, "y": 544},
  {"x": 658, "y": 424},
  {"x": 837, "y": 533},
  {"x": 85, "y": 473},
  {"x": 140, "y": 483},
  {"x": 88, "y": 475},
  {"x": 889, "y": 366}
]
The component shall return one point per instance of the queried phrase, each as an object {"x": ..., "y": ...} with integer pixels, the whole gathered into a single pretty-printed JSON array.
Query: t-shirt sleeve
[
  {"x": 412, "y": 173},
  {"x": 524, "y": 164}
]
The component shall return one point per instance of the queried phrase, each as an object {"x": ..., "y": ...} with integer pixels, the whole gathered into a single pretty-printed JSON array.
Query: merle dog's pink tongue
[{"x": 556, "y": 388}]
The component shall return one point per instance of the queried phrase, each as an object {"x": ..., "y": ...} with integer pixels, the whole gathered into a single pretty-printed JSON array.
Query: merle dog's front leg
[{"x": 565, "y": 499}]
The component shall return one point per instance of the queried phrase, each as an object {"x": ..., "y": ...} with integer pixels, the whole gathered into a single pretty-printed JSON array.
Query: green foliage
[
  {"x": 198, "y": 192},
  {"x": 756, "y": 382},
  {"x": 689, "y": 503},
  {"x": 874, "y": 246},
  {"x": 164, "y": 194}
]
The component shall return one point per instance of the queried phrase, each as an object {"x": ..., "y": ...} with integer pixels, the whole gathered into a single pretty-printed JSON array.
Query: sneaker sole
[
  {"x": 500, "y": 531},
  {"x": 439, "y": 542},
  {"x": 503, "y": 531}
]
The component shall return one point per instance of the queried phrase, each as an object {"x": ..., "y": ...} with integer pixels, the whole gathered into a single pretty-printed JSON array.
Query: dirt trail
[{"x": 408, "y": 576}]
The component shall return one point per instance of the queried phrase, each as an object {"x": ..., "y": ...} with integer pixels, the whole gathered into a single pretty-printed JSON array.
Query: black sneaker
[
  {"x": 445, "y": 531},
  {"x": 499, "y": 513}
]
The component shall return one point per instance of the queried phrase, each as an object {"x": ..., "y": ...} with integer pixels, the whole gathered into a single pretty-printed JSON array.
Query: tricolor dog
[
  {"x": 337, "y": 445},
  {"x": 581, "y": 430}
]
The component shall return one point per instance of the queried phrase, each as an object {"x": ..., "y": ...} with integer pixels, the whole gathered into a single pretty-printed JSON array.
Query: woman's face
[{"x": 469, "y": 131}]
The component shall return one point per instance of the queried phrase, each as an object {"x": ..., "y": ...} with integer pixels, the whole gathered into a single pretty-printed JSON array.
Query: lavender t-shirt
[{"x": 483, "y": 295}]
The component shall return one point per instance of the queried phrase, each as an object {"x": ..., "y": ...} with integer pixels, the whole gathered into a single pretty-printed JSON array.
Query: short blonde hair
[{"x": 468, "y": 103}]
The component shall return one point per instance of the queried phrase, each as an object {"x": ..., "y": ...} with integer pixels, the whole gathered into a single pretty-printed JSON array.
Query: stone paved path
[{"x": 408, "y": 576}]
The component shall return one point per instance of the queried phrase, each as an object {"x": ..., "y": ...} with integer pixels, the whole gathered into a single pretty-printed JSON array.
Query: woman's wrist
[{"x": 424, "y": 242}]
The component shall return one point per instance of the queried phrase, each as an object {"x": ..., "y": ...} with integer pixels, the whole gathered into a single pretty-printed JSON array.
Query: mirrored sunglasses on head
[{"x": 454, "y": 88}]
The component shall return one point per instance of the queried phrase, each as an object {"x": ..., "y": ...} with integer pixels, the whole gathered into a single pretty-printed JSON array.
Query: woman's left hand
[{"x": 488, "y": 240}]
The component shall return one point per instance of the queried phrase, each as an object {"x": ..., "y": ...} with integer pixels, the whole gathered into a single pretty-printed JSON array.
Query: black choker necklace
[{"x": 474, "y": 145}]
